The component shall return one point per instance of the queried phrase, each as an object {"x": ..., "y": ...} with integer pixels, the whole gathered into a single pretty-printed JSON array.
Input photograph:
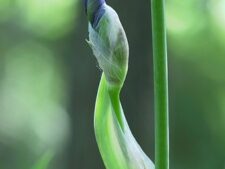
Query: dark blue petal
[
  {"x": 97, "y": 16},
  {"x": 94, "y": 10}
]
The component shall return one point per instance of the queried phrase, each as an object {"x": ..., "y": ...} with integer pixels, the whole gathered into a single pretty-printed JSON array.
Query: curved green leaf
[{"x": 117, "y": 146}]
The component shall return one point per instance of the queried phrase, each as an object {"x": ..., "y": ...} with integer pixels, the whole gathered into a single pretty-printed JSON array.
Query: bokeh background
[{"x": 49, "y": 79}]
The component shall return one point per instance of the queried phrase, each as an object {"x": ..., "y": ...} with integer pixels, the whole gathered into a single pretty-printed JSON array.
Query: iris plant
[{"x": 107, "y": 38}]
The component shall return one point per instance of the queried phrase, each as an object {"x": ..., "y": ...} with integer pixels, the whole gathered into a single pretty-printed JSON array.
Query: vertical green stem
[{"x": 160, "y": 85}]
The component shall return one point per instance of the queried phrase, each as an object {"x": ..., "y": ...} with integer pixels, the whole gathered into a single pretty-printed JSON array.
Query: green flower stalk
[
  {"x": 107, "y": 38},
  {"x": 160, "y": 85}
]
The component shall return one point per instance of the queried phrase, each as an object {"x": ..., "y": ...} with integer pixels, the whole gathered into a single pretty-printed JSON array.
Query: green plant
[
  {"x": 160, "y": 85},
  {"x": 108, "y": 41}
]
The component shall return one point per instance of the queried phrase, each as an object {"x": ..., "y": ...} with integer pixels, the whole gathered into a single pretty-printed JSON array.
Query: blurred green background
[{"x": 49, "y": 79}]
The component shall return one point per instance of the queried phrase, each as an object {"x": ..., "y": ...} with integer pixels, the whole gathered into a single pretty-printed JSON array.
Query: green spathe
[{"x": 110, "y": 46}]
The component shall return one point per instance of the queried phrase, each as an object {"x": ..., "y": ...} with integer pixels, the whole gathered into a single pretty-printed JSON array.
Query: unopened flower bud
[{"x": 108, "y": 41}]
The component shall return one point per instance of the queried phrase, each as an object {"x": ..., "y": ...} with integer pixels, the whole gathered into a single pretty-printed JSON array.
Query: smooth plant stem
[{"x": 160, "y": 85}]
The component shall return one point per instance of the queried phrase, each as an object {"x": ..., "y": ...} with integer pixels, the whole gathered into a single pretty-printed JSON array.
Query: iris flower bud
[
  {"x": 108, "y": 41},
  {"x": 107, "y": 38}
]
